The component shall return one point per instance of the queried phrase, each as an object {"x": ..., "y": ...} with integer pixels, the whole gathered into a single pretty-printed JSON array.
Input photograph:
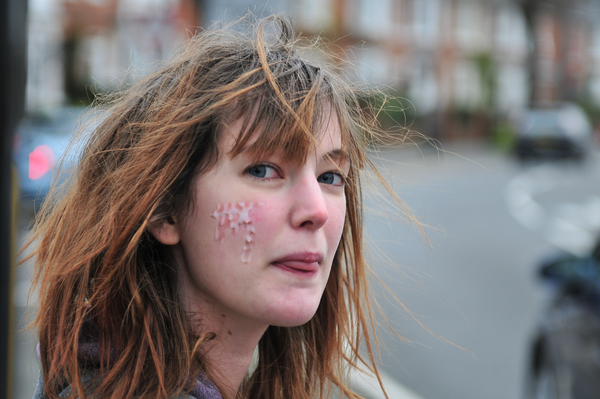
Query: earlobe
[{"x": 165, "y": 232}]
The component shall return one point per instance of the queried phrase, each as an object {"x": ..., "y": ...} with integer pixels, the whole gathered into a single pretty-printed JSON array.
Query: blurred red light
[{"x": 40, "y": 161}]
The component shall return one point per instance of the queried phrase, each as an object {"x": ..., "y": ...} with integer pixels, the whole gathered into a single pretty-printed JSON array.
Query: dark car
[
  {"x": 40, "y": 142},
  {"x": 553, "y": 133},
  {"x": 565, "y": 358}
]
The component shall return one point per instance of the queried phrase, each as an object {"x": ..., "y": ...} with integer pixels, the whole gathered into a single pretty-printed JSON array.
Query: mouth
[{"x": 302, "y": 264}]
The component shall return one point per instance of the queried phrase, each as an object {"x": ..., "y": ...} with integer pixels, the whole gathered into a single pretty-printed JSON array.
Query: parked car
[
  {"x": 565, "y": 356},
  {"x": 39, "y": 143},
  {"x": 563, "y": 131}
]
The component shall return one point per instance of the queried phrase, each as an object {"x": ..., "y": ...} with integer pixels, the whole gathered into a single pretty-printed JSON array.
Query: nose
[{"x": 309, "y": 205}]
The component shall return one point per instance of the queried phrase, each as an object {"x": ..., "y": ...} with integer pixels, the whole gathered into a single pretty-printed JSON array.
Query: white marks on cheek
[{"x": 236, "y": 217}]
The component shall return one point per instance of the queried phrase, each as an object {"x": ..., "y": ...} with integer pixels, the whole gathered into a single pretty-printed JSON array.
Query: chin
[
  {"x": 296, "y": 323},
  {"x": 295, "y": 317}
]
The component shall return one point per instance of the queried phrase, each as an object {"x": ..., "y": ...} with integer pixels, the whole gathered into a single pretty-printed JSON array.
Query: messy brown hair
[{"x": 97, "y": 264}]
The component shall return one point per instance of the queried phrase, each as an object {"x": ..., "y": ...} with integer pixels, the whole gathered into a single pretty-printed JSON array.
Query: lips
[{"x": 301, "y": 263}]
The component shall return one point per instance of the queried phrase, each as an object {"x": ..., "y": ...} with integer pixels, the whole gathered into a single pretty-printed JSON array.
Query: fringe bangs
[{"x": 286, "y": 113}]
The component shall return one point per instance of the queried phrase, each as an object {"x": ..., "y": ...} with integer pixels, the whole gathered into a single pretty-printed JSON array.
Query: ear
[{"x": 165, "y": 231}]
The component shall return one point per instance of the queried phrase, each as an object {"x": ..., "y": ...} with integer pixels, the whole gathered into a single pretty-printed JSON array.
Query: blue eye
[
  {"x": 262, "y": 171},
  {"x": 258, "y": 171},
  {"x": 332, "y": 178}
]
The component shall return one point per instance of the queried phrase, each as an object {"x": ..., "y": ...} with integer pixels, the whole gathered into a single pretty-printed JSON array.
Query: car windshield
[
  {"x": 563, "y": 122},
  {"x": 542, "y": 123}
]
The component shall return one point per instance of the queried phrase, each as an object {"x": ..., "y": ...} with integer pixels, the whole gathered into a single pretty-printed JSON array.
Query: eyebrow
[{"x": 336, "y": 155}]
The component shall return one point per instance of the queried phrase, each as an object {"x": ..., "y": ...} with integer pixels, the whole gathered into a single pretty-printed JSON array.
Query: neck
[{"x": 230, "y": 353}]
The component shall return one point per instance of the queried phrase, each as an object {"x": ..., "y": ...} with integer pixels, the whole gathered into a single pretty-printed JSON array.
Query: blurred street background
[{"x": 508, "y": 93}]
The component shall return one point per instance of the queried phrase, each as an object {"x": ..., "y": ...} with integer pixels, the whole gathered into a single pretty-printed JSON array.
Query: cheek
[
  {"x": 237, "y": 219},
  {"x": 337, "y": 218},
  {"x": 257, "y": 213},
  {"x": 268, "y": 220}
]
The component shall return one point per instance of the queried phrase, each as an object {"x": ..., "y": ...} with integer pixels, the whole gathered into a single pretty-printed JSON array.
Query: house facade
[{"x": 443, "y": 57}]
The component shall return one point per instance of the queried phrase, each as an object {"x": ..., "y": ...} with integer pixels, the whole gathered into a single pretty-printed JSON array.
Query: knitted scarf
[{"x": 89, "y": 358}]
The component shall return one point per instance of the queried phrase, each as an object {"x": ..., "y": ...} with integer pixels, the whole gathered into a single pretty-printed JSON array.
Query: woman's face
[{"x": 258, "y": 243}]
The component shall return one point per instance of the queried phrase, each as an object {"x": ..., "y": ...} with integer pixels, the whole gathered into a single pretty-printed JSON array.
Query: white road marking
[{"x": 572, "y": 227}]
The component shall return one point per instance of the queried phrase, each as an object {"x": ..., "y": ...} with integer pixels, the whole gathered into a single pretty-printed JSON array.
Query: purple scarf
[{"x": 89, "y": 355}]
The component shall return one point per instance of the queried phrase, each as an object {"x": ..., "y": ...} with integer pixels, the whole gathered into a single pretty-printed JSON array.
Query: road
[{"x": 473, "y": 289}]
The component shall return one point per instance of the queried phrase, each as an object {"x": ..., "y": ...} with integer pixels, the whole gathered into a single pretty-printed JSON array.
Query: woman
[{"x": 216, "y": 210}]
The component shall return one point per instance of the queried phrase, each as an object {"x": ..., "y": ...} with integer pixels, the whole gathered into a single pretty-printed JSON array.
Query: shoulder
[
  {"x": 40, "y": 392},
  {"x": 87, "y": 378}
]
